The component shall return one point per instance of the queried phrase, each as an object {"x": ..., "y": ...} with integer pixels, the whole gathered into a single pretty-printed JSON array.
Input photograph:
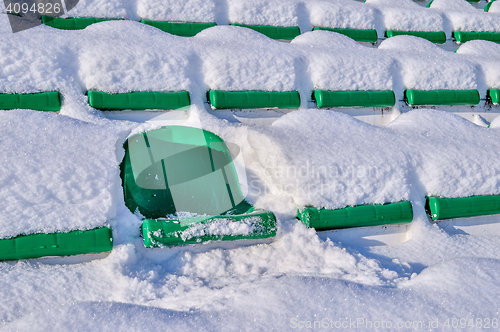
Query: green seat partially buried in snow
[
  {"x": 49, "y": 101},
  {"x": 357, "y": 216},
  {"x": 73, "y": 23},
  {"x": 183, "y": 182}
]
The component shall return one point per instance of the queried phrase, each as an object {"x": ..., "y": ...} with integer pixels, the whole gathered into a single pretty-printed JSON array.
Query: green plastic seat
[
  {"x": 440, "y": 208},
  {"x": 183, "y": 181},
  {"x": 73, "y": 23},
  {"x": 441, "y": 97},
  {"x": 438, "y": 37},
  {"x": 183, "y": 29},
  {"x": 56, "y": 244},
  {"x": 357, "y": 216},
  {"x": 139, "y": 100},
  {"x": 253, "y": 99},
  {"x": 465, "y": 36},
  {"x": 359, "y": 35},
  {"x": 325, "y": 98},
  {"x": 44, "y": 101},
  {"x": 273, "y": 32}
]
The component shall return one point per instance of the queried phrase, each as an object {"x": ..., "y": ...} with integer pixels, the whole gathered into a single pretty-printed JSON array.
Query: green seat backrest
[{"x": 179, "y": 169}]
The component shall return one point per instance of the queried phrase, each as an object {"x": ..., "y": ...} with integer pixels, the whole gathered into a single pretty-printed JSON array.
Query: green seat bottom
[
  {"x": 438, "y": 37},
  {"x": 273, "y": 32},
  {"x": 183, "y": 29},
  {"x": 56, "y": 244},
  {"x": 43, "y": 101},
  {"x": 368, "y": 36},
  {"x": 441, "y": 208},
  {"x": 326, "y": 98},
  {"x": 494, "y": 96},
  {"x": 441, "y": 97},
  {"x": 73, "y": 23},
  {"x": 255, "y": 224},
  {"x": 357, "y": 216},
  {"x": 139, "y": 101},
  {"x": 253, "y": 99},
  {"x": 465, "y": 36}
]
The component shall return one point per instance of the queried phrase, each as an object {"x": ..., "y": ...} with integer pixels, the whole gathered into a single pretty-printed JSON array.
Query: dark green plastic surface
[
  {"x": 43, "y": 101},
  {"x": 139, "y": 100},
  {"x": 447, "y": 208},
  {"x": 463, "y": 36},
  {"x": 438, "y": 37},
  {"x": 73, "y": 23},
  {"x": 442, "y": 97},
  {"x": 368, "y": 36},
  {"x": 357, "y": 216},
  {"x": 180, "y": 169},
  {"x": 158, "y": 232},
  {"x": 183, "y": 29},
  {"x": 494, "y": 96},
  {"x": 179, "y": 178},
  {"x": 354, "y": 98},
  {"x": 487, "y": 6},
  {"x": 273, "y": 32},
  {"x": 253, "y": 99},
  {"x": 56, "y": 244}
]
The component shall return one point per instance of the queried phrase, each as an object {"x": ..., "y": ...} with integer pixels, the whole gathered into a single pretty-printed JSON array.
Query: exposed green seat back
[
  {"x": 273, "y": 32},
  {"x": 326, "y": 98},
  {"x": 253, "y": 99},
  {"x": 357, "y": 216},
  {"x": 438, "y": 37},
  {"x": 448, "y": 208},
  {"x": 183, "y": 29},
  {"x": 139, "y": 100},
  {"x": 442, "y": 97},
  {"x": 465, "y": 36},
  {"x": 73, "y": 23},
  {"x": 368, "y": 36},
  {"x": 44, "y": 101},
  {"x": 56, "y": 244}
]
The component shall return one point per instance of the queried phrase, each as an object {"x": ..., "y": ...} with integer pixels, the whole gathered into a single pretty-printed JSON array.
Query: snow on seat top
[
  {"x": 465, "y": 17},
  {"x": 406, "y": 15},
  {"x": 237, "y": 58},
  {"x": 425, "y": 66},
  {"x": 341, "y": 14},
  {"x": 57, "y": 174}
]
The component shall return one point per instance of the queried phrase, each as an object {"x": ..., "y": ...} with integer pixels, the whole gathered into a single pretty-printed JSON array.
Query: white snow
[
  {"x": 340, "y": 14},
  {"x": 487, "y": 54},
  {"x": 61, "y": 172},
  {"x": 494, "y": 8},
  {"x": 406, "y": 15},
  {"x": 465, "y": 17}
]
